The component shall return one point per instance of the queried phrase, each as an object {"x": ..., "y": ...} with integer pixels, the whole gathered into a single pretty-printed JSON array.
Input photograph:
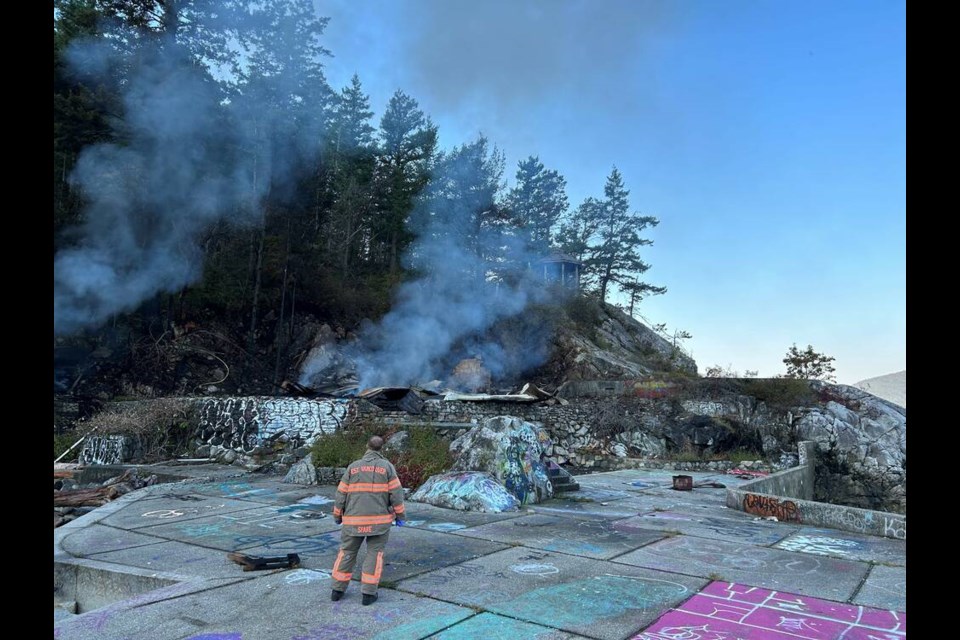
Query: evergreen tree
[
  {"x": 615, "y": 258},
  {"x": 408, "y": 141},
  {"x": 536, "y": 202}
]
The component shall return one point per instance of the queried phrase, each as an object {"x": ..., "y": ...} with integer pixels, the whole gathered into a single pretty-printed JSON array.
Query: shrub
[
  {"x": 162, "y": 428},
  {"x": 428, "y": 454},
  {"x": 339, "y": 449}
]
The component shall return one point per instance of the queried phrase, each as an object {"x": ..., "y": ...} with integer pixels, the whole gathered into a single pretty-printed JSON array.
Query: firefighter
[{"x": 369, "y": 500}]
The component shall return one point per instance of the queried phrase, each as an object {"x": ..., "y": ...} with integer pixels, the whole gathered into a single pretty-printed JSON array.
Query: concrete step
[{"x": 562, "y": 487}]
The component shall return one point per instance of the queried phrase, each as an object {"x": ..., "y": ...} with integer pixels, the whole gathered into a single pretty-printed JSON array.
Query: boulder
[
  {"x": 302, "y": 473},
  {"x": 398, "y": 442},
  {"x": 466, "y": 491},
  {"x": 510, "y": 450}
]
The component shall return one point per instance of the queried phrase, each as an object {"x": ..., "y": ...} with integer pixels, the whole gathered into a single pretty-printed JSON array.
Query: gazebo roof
[{"x": 560, "y": 257}]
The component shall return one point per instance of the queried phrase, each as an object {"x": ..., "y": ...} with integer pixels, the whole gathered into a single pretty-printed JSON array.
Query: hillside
[{"x": 891, "y": 387}]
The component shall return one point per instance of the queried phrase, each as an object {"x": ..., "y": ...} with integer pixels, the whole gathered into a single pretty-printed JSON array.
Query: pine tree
[
  {"x": 536, "y": 202},
  {"x": 615, "y": 258}
]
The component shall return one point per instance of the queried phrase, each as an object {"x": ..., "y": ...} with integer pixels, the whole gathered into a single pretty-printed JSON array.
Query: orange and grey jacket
[{"x": 369, "y": 496}]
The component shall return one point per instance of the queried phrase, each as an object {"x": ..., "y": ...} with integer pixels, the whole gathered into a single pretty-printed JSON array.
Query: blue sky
[{"x": 769, "y": 138}]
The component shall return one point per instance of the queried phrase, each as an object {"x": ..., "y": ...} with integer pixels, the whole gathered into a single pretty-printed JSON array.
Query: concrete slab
[
  {"x": 591, "y": 509},
  {"x": 97, "y": 538},
  {"x": 241, "y": 529},
  {"x": 409, "y": 552},
  {"x": 490, "y": 626},
  {"x": 589, "y": 538},
  {"x": 727, "y": 610},
  {"x": 281, "y": 605},
  {"x": 594, "y": 598},
  {"x": 734, "y": 529},
  {"x": 177, "y": 558},
  {"x": 842, "y": 544},
  {"x": 885, "y": 587},
  {"x": 157, "y": 509},
  {"x": 801, "y": 573},
  {"x": 425, "y": 516},
  {"x": 259, "y": 490}
]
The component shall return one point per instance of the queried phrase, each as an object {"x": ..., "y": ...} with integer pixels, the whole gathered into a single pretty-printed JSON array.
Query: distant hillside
[{"x": 891, "y": 387}]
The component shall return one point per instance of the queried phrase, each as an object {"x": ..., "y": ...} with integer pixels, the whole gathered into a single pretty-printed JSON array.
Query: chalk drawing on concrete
[
  {"x": 725, "y": 610},
  {"x": 304, "y": 576},
  {"x": 446, "y": 526},
  {"x": 820, "y": 545},
  {"x": 610, "y": 596},
  {"x": 534, "y": 569},
  {"x": 315, "y": 500}
]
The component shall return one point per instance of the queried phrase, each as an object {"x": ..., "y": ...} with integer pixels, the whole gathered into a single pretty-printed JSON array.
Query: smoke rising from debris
[{"x": 472, "y": 277}]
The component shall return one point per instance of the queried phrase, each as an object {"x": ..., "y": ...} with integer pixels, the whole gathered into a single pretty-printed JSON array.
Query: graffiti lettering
[
  {"x": 895, "y": 528},
  {"x": 765, "y": 506}
]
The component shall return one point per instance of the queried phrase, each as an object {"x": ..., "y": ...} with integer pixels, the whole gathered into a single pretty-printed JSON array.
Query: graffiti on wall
[
  {"x": 651, "y": 389},
  {"x": 102, "y": 450},
  {"x": 243, "y": 424},
  {"x": 767, "y": 506},
  {"x": 725, "y": 610}
]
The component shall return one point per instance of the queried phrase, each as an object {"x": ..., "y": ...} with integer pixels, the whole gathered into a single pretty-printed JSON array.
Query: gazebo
[{"x": 561, "y": 268}]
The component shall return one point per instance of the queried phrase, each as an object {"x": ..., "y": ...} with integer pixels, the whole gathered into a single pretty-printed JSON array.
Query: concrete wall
[{"x": 788, "y": 496}]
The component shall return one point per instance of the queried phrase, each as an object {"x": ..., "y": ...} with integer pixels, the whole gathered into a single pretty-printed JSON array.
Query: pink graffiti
[{"x": 726, "y": 610}]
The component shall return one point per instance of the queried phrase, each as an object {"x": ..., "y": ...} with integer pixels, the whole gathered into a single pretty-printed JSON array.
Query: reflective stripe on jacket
[{"x": 369, "y": 496}]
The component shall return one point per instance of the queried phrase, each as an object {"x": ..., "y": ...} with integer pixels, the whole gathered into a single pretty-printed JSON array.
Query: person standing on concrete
[{"x": 369, "y": 499}]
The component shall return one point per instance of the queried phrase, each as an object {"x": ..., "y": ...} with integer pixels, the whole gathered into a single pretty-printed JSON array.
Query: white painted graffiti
[
  {"x": 305, "y": 419},
  {"x": 246, "y": 423},
  {"x": 102, "y": 450},
  {"x": 446, "y": 526},
  {"x": 534, "y": 569},
  {"x": 305, "y": 576},
  {"x": 820, "y": 545},
  {"x": 895, "y": 528},
  {"x": 165, "y": 514}
]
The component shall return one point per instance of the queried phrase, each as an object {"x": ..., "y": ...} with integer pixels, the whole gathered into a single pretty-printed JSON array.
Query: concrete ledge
[{"x": 787, "y": 496}]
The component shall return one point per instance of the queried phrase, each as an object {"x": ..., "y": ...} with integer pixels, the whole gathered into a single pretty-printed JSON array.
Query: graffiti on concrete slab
[
  {"x": 217, "y": 636},
  {"x": 767, "y": 506},
  {"x": 102, "y": 450},
  {"x": 243, "y": 424},
  {"x": 725, "y": 610},
  {"x": 610, "y": 596},
  {"x": 283, "y": 544},
  {"x": 446, "y": 526},
  {"x": 167, "y": 514},
  {"x": 334, "y": 631},
  {"x": 534, "y": 569},
  {"x": 820, "y": 545},
  {"x": 201, "y": 530},
  {"x": 725, "y": 555},
  {"x": 445, "y": 575},
  {"x": 305, "y": 576}
]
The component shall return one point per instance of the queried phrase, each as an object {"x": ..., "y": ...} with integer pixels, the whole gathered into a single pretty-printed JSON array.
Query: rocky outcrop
[
  {"x": 862, "y": 448},
  {"x": 302, "y": 473},
  {"x": 891, "y": 387},
  {"x": 512, "y": 451},
  {"x": 466, "y": 491},
  {"x": 620, "y": 348}
]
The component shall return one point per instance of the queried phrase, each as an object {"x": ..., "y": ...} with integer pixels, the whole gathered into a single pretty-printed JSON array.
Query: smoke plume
[{"x": 186, "y": 158}]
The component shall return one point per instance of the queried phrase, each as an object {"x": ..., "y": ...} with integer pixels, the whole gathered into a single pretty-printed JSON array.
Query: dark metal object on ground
[
  {"x": 255, "y": 563},
  {"x": 683, "y": 483}
]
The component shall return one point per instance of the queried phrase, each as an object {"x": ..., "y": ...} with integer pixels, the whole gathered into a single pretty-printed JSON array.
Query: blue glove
[{"x": 398, "y": 522}]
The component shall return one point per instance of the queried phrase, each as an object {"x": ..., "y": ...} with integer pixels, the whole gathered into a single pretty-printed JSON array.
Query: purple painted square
[{"x": 728, "y": 611}]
